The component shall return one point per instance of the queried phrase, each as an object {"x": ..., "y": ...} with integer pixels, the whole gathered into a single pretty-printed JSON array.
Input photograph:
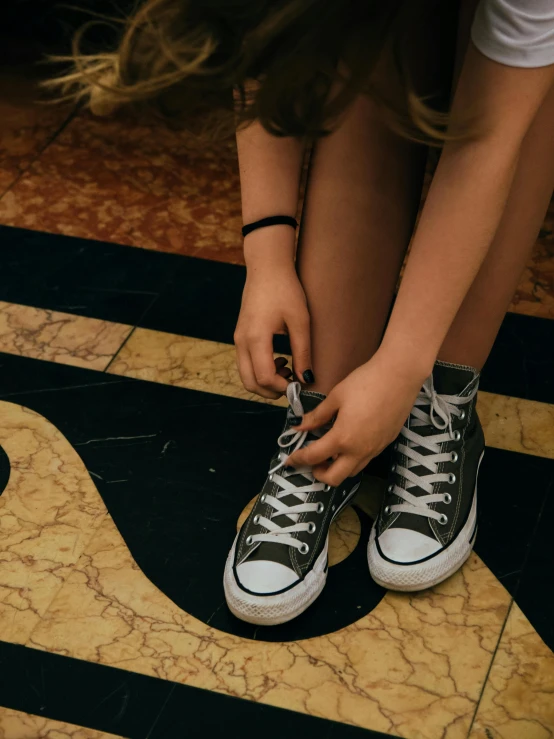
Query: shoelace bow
[
  {"x": 441, "y": 409},
  {"x": 291, "y": 440}
]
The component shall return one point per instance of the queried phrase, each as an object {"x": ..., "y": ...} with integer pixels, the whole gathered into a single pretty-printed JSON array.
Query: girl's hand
[
  {"x": 371, "y": 405},
  {"x": 273, "y": 302}
]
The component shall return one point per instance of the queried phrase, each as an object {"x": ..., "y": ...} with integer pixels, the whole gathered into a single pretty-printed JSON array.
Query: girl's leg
[
  {"x": 474, "y": 330},
  {"x": 363, "y": 192}
]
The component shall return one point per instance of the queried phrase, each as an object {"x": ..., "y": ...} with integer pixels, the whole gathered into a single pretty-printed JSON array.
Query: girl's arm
[
  {"x": 273, "y": 300},
  {"x": 463, "y": 209},
  {"x": 270, "y": 180},
  {"x": 464, "y": 206}
]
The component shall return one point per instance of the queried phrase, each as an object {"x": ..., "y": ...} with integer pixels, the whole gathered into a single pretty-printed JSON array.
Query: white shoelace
[
  {"x": 290, "y": 440},
  {"x": 441, "y": 410}
]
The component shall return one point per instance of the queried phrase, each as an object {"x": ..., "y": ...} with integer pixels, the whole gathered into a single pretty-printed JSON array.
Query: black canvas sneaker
[
  {"x": 277, "y": 566},
  {"x": 428, "y": 521}
]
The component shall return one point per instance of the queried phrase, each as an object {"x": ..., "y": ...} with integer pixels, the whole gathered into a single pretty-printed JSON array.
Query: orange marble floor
[
  {"x": 132, "y": 183},
  {"x": 27, "y": 124}
]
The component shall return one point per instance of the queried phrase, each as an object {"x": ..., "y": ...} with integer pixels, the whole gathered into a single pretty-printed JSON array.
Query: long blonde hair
[{"x": 228, "y": 62}]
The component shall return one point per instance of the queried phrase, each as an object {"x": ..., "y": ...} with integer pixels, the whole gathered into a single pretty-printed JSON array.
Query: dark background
[{"x": 31, "y": 29}]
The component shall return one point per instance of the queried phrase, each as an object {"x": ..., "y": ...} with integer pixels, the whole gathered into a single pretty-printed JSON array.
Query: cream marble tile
[
  {"x": 399, "y": 669},
  {"x": 59, "y": 337},
  {"x": 518, "y": 701},
  {"x": 48, "y": 512},
  {"x": 18, "y": 725},
  {"x": 510, "y": 423},
  {"x": 517, "y": 425},
  {"x": 196, "y": 364}
]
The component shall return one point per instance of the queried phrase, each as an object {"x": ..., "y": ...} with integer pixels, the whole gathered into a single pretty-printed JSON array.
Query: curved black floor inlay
[
  {"x": 5, "y": 470},
  {"x": 176, "y": 467}
]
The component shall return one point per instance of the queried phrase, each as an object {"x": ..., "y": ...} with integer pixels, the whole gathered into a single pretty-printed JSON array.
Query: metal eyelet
[
  {"x": 311, "y": 527},
  {"x": 262, "y": 499},
  {"x": 320, "y": 507},
  {"x": 256, "y": 520},
  {"x": 454, "y": 457},
  {"x": 443, "y": 520},
  {"x": 387, "y": 510},
  {"x": 271, "y": 478},
  {"x": 249, "y": 541},
  {"x": 457, "y": 436},
  {"x": 451, "y": 478},
  {"x": 327, "y": 488},
  {"x": 462, "y": 415},
  {"x": 393, "y": 468},
  {"x": 304, "y": 549},
  {"x": 390, "y": 488},
  {"x": 447, "y": 498}
]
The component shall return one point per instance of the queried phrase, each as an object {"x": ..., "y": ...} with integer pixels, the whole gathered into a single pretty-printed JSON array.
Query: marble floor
[{"x": 122, "y": 441}]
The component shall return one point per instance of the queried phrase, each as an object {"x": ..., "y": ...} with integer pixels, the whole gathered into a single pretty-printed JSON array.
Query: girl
[{"x": 356, "y": 77}]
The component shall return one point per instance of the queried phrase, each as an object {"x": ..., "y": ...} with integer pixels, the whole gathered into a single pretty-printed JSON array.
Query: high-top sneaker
[
  {"x": 278, "y": 563},
  {"x": 428, "y": 521}
]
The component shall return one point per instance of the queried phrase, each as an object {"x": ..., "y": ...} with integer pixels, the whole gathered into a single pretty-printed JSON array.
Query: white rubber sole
[
  {"x": 412, "y": 577},
  {"x": 271, "y": 610}
]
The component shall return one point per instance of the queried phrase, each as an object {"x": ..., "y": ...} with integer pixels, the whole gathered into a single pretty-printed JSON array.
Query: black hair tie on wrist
[{"x": 271, "y": 221}]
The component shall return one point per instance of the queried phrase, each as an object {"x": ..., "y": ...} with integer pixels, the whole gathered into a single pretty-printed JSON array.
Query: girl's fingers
[
  {"x": 337, "y": 471},
  {"x": 321, "y": 415},
  {"x": 282, "y": 369},
  {"x": 360, "y": 467},
  {"x": 316, "y": 453},
  {"x": 263, "y": 364},
  {"x": 246, "y": 372}
]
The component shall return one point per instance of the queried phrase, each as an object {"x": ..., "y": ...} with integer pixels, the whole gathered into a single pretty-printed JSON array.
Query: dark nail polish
[
  {"x": 295, "y": 421},
  {"x": 308, "y": 376}
]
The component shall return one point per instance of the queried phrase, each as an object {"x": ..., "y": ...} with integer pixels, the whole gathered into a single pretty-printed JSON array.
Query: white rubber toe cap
[
  {"x": 265, "y": 577},
  {"x": 405, "y": 545}
]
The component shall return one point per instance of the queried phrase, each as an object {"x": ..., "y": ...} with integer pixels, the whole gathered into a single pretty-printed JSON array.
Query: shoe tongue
[
  {"x": 452, "y": 379},
  {"x": 310, "y": 400}
]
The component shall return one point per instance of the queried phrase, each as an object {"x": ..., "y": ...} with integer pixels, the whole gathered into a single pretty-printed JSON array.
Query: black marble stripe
[
  {"x": 201, "y": 298},
  {"x": 535, "y": 593},
  {"x": 512, "y": 490},
  {"x": 521, "y": 363},
  {"x": 166, "y": 292},
  {"x": 141, "y": 707}
]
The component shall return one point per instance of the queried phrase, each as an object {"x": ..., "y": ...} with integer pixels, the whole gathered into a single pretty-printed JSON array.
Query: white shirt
[{"x": 519, "y": 33}]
